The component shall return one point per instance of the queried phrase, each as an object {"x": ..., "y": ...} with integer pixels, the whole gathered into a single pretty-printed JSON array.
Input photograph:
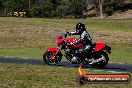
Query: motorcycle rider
[{"x": 85, "y": 38}]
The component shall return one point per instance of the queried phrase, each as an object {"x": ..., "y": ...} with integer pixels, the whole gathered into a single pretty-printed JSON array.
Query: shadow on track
[{"x": 111, "y": 66}]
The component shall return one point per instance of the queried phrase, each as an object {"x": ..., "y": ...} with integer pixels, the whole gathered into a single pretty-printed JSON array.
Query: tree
[
  {"x": 98, "y": 5},
  {"x": 11, "y": 6},
  {"x": 45, "y": 8},
  {"x": 76, "y": 7},
  {"x": 59, "y": 8},
  {"x": 62, "y": 8},
  {"x": 106, "y": 6},
  {"x": 1, "y": 8},
  {"x": 101, "y": 8}
]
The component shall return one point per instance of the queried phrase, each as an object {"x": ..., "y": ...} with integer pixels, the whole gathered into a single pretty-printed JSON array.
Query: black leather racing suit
[{"x": 85, "y": 39}]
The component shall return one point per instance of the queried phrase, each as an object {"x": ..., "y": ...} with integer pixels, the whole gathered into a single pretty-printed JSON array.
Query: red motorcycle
[{"x": 96, "y": 56}]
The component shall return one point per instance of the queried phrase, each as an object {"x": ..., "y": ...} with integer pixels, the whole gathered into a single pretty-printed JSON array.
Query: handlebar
[{"x": 64, "y": 35}]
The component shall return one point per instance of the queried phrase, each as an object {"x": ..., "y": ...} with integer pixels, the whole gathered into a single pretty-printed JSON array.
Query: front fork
[{"x": 54, "y": 54}]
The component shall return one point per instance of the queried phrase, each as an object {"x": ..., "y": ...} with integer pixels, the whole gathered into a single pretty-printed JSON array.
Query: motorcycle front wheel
[{"x": 48, "y": 60}]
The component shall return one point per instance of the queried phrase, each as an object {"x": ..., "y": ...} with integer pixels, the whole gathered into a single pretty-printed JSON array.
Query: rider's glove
[{"x": 69, "y": 33}]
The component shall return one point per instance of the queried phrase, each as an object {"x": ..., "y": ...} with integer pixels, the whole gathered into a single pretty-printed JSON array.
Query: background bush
[{"x": 56, "y": 8}]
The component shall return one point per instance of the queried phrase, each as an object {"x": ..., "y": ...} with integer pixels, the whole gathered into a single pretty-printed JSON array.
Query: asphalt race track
[{"x": 109, "y": 67}]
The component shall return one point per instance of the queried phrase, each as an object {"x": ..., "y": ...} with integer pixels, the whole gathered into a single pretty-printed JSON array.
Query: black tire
[
  {"x": 103, "y": 63},
  {"x": 47, "y": 58}
]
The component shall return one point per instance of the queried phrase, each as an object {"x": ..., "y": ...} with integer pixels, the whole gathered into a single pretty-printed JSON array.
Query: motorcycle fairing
[
  {"x": 99, "y": 46},
  {"x": 71, "y": 40},
  {"x": 59, "y": 41},
  {"x": 52, "y": 49}
]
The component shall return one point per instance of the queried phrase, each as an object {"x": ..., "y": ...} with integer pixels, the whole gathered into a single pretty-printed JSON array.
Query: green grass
[
  {"x": 121, "y": 53},
  {"x": 112, "y": 25},
  {"x": 122, "y": 25},
  {"x": 23, "y": 53},
  {"x": 33, "y": 76}
]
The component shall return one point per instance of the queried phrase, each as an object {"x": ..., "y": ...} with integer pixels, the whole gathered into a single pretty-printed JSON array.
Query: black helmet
[{"x": 80, "y": 28}]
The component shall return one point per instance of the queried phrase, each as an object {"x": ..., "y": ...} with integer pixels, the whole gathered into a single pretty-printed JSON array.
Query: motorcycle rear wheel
[
  {"x": 102, "y": 63},
  {"x": 47, "y": 58}
]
